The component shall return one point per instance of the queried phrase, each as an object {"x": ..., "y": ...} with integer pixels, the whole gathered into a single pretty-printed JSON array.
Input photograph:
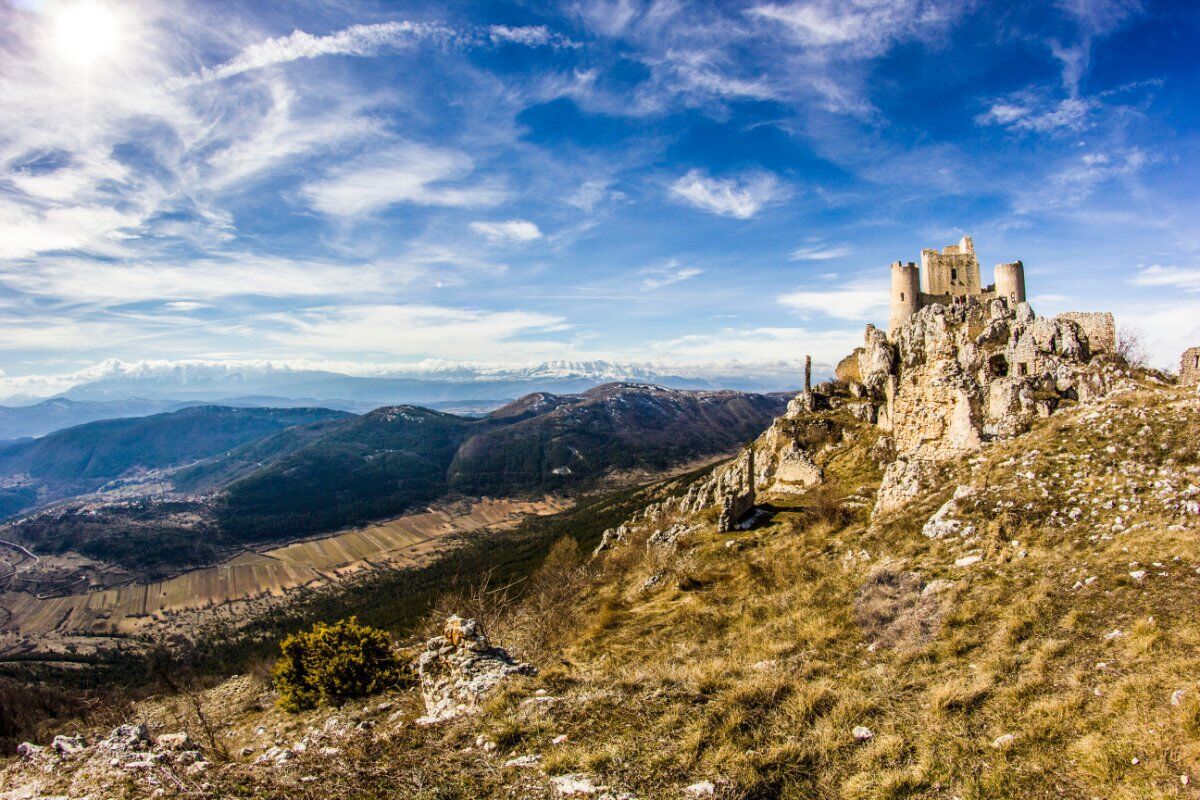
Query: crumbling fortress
[
  {"x": 948, "y": 277},
  {"x": 960, "y": 365}
]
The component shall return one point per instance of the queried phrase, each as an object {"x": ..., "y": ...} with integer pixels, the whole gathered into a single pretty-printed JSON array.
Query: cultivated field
[{"x": 29, "y": 622}]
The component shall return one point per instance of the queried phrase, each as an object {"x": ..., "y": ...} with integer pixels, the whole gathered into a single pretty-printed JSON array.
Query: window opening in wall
[
  {"x": 1022, "y": 369},
  {"x": 902, "y": 297},
  {"x": 953, "y": 274}
]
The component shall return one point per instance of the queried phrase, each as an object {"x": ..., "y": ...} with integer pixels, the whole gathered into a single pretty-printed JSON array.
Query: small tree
[
  {"x": 1131, "y": 346},
  {"x": 331, "y": 664}
]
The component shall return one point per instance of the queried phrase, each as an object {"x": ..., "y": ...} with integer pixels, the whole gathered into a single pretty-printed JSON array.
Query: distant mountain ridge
[
  {"x": 424, "y": 383},
  {"x": 86, "y": 457},
  {"x": 327, "y": 470}
]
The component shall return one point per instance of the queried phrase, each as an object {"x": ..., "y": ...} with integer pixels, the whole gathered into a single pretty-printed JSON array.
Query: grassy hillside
[
  {"x": 611, "y": 427},
  {"x": 87, "y": 456},
  {"x": 398, "y": 458},
  {"x": 382, "y": 463},
  {"x": 1045, "y": 644}
]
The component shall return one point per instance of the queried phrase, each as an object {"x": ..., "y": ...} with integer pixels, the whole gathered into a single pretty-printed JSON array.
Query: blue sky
[{"x": 718, "y": 186}]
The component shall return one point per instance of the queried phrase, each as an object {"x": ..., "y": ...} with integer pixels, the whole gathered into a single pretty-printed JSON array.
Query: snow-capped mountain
[{"x": 422, "y": 383}]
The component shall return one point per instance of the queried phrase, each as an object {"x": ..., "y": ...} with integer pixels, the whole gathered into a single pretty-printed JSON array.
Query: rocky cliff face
[
  {"x": 952, "y": 378},
  {"x": 968, "y": 373}
]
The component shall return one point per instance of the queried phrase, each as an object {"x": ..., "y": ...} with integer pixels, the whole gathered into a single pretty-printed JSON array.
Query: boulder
[{"x": 459, "y": 668}]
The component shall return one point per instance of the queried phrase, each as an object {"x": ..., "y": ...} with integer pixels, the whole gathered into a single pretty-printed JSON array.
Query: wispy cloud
[
  {"x": 83, "y": 281},
  {"x": 860, "y": 300},
  {"x": 1026, "y": 114},
  {"x": 668, "y": 274},
  {"x": 859, "y": 28},
  {"x": 739, "y": 197},
  {"x": 819, "y": 253},
  {"x": 429, "y": 331},
  {"x": 369, "y": 40},
  {"x": 513, "y": 230},
  {"x": 406, "y": 173},
  {"x": 1185, "y": 279}
]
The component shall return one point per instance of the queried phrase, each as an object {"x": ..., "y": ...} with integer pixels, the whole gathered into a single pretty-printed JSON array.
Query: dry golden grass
[{"x": 751, "y": 665}]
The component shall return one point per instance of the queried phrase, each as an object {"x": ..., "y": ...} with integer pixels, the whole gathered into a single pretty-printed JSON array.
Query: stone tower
[
  {"x": 1010, "y": 282},
  {"x": 954, "y": 271},
  {"x": 906, "y": 293}
]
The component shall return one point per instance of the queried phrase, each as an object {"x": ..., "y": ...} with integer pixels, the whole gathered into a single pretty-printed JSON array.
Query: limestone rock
[
  {"x": 967, "y": 373},
  {"x": 68, "y": 745},
  {"x": 459, "y": 668}
]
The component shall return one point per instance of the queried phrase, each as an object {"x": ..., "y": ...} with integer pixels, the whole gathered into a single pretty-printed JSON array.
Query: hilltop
[{"x": 1020, "y": 623}]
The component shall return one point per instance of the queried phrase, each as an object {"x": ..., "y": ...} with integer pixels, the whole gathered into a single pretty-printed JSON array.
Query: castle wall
[
  {"x": 954, "y": 271},
  {"x": 1189, "y": 367},
  {"x": 1099, "y": 328}
]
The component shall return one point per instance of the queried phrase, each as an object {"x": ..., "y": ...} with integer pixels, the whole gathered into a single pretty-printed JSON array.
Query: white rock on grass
[
  {"x": 523, "y": 762},
  {"x": 1003, "y": 740},
  {"x": 967, "y": 561},
  {"x": 575, "y": 784},
  {"x": 701, "y": 789},
  {"x": 862, "y": 733}
]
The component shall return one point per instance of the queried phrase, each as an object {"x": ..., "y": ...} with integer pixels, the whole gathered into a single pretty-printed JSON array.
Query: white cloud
[
  {"x": 758, "y": 346},
  {"x": 1070, "y": 114},
  {"x": 420, "y": 330},
  {"x": 370, "y": 40},
  {"x": 668, "y": 274},
  {"x": 358, "y": 40},
  {"x": 78, "y": 280},
  {"x": 819, "y": 253},
  {"x": 529, "y": 36},
  {"x": 591, "y": 194},
  {"x": 1074, "y": 182},
  {"x": 864, "y": 301},
  {"x": 860, "y": 28},
  {"x": 740, "y": 197},
  {"x": 1183, "y": 278},
  {"x": 513, "y": 230},
  {"x": 407, "y": 173}
]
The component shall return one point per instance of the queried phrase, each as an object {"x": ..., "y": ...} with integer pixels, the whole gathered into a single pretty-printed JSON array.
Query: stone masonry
[{"x": 1189, "y": 367}]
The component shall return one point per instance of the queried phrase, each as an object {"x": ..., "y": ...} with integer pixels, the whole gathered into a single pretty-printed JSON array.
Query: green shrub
[{"x": 332, "y": 664}]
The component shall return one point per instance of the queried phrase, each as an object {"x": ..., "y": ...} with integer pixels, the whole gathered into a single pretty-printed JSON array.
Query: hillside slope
[
  {"x": 1024, "y": 625},
  {"x": 84, "y": 458},
  {"x": 399, "y": 457}
]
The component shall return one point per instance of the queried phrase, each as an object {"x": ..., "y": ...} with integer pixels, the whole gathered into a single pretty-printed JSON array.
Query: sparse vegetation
[{"x": 332, "y": 664}]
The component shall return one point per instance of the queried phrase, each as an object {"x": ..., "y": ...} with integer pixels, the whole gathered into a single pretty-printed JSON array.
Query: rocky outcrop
[
  {"x": 127, "y": 753},
  {"x": 736, "y": 490},
  {"x": 459, "y": 668},
  {"x": 959, "y": 375}
]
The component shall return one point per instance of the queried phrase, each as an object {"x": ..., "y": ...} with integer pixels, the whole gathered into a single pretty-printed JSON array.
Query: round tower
[
  {"x": 1010, "y": 283},
  {"x": 906, "y": 293}
]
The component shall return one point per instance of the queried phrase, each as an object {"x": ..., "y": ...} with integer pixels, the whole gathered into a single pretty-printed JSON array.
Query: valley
[{"x": 56, "y": 617}]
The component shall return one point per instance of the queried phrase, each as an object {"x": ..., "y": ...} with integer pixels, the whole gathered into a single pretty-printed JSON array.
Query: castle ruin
[
  {"x": 948, "y": 276},
  {"x": 1189, "y": 367}
]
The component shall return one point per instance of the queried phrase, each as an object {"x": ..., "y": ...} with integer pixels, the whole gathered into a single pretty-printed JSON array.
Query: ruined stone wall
[
  {"x": 954, "y": 271},
  {"x": 1099, "y": 328},
  {"x": 1189, "y": 367}
]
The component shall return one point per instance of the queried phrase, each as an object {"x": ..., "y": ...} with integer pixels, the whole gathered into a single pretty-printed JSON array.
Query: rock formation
[
  {"x": 955, "y": 376},
  {"x": 459, "y": 668}
]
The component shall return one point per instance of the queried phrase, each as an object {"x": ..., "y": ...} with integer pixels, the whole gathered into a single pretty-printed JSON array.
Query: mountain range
[
  {"x": 186, "y": 485},
  {"x": 117, "y": 389}
]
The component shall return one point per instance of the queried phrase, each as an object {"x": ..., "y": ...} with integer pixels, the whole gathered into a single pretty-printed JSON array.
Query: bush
[{"x": 332, "y": 664}]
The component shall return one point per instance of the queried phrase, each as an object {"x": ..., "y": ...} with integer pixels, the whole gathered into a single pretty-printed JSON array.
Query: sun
[{"x": 86, "y": 31}]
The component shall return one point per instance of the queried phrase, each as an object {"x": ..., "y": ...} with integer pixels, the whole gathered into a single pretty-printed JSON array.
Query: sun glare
[{"x": 86, "y": 31}]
